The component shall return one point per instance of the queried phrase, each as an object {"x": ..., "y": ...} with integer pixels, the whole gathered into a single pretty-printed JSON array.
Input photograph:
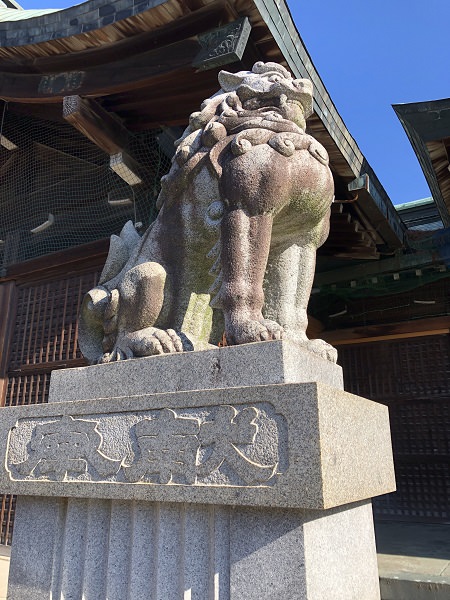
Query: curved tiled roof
[
  {"x": 54, "y": 24},
  {"x": 427, "y": 125},
  {"x": 12, "y": 14}
]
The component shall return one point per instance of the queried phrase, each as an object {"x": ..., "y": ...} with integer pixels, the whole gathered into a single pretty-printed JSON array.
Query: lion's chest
[{"x": 263, "y": 181}]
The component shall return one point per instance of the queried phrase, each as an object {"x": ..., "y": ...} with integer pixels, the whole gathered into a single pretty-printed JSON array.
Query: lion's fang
[
  {"x": 215, "y": 250},
  {"x": 216, "y": 285}
]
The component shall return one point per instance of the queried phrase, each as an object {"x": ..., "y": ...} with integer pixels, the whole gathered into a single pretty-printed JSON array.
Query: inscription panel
[
  {"x": 218, "y": 445},
  {"x": 302, "y": 445}
]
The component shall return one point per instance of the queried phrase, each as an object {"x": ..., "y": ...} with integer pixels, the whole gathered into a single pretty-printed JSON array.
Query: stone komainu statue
[{"x": 243, "y": 210}]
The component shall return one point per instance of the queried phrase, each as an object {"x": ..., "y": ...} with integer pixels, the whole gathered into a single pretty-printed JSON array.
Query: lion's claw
[
  {"x": 323, "y": 349},
  {"x": 247, "y": 331},
  {"x": 146, "y": 342}
]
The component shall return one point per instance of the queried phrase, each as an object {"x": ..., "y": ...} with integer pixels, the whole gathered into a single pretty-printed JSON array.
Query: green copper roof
[{"x": 415, "y": 203}]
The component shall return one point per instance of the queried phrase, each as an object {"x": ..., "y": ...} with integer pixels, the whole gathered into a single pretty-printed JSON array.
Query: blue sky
[{"x": 371, "y": 55}]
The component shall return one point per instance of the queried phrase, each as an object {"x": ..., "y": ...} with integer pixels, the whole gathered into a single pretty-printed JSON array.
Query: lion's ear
[{"x": 229, "y": 81}]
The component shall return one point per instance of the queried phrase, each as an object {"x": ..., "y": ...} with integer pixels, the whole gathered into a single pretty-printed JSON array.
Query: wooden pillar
[{"x": 8, "y": 307}]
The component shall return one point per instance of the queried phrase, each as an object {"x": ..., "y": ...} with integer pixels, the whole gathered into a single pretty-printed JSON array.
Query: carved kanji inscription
[
  {"x": 224, "y": 434},
  {"x": 65, "y": 447},
  {"x": 168, "y": 445},
  {"x": 218, "y": 445}
]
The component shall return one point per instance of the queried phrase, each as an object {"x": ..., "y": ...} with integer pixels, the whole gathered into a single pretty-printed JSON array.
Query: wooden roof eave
[
  {"x": 275, "y": 37},
  {"x": 427, "y": 125}
]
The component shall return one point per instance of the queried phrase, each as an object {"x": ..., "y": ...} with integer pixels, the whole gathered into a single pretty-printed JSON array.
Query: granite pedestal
[{"x": 210, "y": 490}]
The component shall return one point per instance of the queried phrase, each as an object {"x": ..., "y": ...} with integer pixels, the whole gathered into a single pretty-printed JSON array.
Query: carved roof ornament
[{"x": 223, "y": 45}]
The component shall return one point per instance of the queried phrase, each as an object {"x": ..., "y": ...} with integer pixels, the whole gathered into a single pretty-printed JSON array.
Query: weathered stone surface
[
  {"x": 260, "y": 363},
  {"x": 73, "y": 548},
  {"x": 295, "y": 445},
  {"x": 237, "y": 493},
  {"x": 232, "y": 252}
]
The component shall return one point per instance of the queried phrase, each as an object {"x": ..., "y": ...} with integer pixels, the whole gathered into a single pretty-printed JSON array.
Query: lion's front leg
[{"x": 245, "y": 248}]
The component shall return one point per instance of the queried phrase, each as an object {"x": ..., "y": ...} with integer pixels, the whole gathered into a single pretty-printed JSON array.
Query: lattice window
[
  {"x": 412, "y": 368},
  {"x": 412, "y": 377},
  {"x": 46, "y": 324},
  {"x": 45, "y": 338},
  {"x": 27, "y": 389},
  {"x": 8, "y": 507}
]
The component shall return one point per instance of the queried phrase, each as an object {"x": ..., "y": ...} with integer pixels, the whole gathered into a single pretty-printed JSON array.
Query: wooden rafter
[
  {"x": 391, "y": 331},
  {"x": 106, "y": 132},
  {"x": 97, "y": 124}
]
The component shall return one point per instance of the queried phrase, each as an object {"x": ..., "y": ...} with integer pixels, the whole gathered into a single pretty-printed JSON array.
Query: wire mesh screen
[
  {"x": 59, "y": 190},
  {"x": 413, "y": 378}
]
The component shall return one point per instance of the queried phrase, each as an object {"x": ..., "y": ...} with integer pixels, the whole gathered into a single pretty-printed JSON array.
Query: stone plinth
[
  {"x": 303, "y": 445},
  {"x": 119, "y": 550},
  {"x": 260, "y": 363},
  {"x": 233, "y": 493}
]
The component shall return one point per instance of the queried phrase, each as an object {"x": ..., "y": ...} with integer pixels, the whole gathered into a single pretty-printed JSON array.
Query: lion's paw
[
  {"x": 146, "y": 342},
  {"x": 322, "y": 349},
  {"x": 151, "y": 341},
  {"x": 247, "y": 331}
]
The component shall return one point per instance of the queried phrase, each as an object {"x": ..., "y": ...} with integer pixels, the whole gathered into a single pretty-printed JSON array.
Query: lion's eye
[{"x": 275, "y": 78}]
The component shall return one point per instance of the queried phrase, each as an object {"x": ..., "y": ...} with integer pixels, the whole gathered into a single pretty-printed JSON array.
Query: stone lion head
[
  {"x": 265, "y": 98},
  {"x": 269, "y": 87}
]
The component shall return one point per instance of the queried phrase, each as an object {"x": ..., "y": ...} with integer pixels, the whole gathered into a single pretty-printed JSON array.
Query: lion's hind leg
[
  {"x": 130, "y": 322},
  {"x": 288, "y": 283}
]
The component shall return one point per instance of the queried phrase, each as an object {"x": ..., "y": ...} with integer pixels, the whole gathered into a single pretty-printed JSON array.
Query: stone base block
[
  {"x": 261, "y": 363},
  {"x": 297, "y": 445},
  {"x": 119, "y": 550},
  {"x": 232, "y": 474}
]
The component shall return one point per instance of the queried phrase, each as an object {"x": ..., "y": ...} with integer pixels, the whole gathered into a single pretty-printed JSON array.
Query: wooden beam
[
  {"x": 398, "y": 263},
  {"x": 127, "y": 168},
  {"x": 187, "y": 26},
  {"x": 48, "y": 367},
  {"x": 146, "y": 124},
  {"x": 315, "y": 327},
  {"x": 69, "y": 261},
  {"x": 351, "y": 252},
  {"x": 97, "y": 124},
  {"x": 129, "y": 73},
  {"x": 108, "y": 133},
  {"x": 392, "y": 331}
]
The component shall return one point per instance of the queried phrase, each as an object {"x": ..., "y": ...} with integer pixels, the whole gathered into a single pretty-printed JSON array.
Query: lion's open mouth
[
  {"x": 261, "y": 104},
  {"x": 270, "y": 104}
]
